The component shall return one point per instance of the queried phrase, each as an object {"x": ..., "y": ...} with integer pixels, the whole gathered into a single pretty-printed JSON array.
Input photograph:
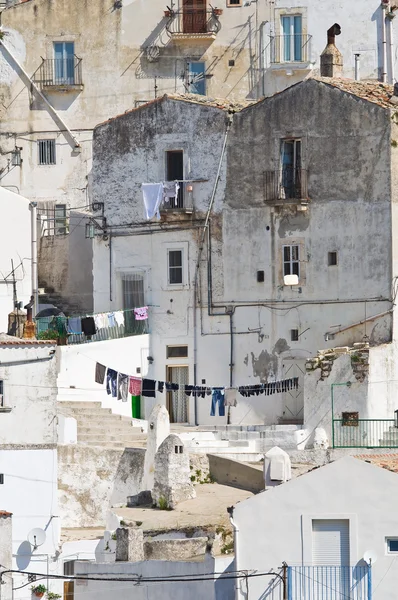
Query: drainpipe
[
  {"x": 35, "y": 281},
  {"x": 32, "y": 86},
  {"x": 391, "y": 16},
  {"x": 357, "y": 67},
  {"x": 230, "y": 510},
  {"x": 384, "y": 7}
]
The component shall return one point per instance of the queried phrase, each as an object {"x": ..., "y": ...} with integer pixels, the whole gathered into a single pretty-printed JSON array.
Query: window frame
[
  {"x": 294, "y": 335},
  {"x": 291, "y": 261},
  {"x": 234, "y": 3},
  {"x": 290, "y": 56},
  {"x": 190, "y": 73},
  {"x": 171, "y": 346},
  {"x": 46, "y": 148},
  {"x": 61, "y": 222},
  {"x": 335, "y": 255},
  {"x": 175, "y": 267},
  {"x": 391, "y": 539}
]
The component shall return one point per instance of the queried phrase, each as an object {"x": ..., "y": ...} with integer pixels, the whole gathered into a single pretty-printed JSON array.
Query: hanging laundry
[
  {"x": 141, "y": 314},
  {"x": 170, "y": 191},
  {"x": 153, "y": 196},
  {"x": 149, "y": 388},
  {"x": 188, "y": 389},
  {"x": 111, "y": 383},
  {"x": 111, "y": 320},
  {"x": 230, "y": 397},
  {"x": 88, "y": 326},
  {"x": 119, "y": 316},
  {"x": 172, "y": 387},
  {"x": 160, "y": 386},
  {"x": 101, "y": 320},
  {"x": 99, "y": 373},
  {"x": 74, "y": 325},
  {"x": 217, "y": 399},
  {"x": 123, "y": 387},
  {"x": 135, "y": 386}
]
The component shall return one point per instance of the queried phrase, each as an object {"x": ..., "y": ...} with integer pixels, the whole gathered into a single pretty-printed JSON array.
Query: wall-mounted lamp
[
  {"x": 16, "y": 159},
  {"x": 150, "y": 359}
]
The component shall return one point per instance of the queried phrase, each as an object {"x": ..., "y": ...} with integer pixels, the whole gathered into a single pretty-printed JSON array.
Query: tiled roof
[
  {"x": 373, "y": 91},
  {"x": 4, "y": 513},
  {"x": 10, "y": 340},
  {"x": 385, "y": 461}
]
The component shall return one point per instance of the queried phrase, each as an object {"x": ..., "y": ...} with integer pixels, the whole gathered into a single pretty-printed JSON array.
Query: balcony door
[
  {"x": 331, "y": 554},
  {"x": 177, "y": 400},
  {"x": 292, "y": 46},
  {"x": 175, "y": 172},
  {"x": 291, "y": 169},
  {"x": 194, "y": 16},
  {"x": 64, "y": 63}
]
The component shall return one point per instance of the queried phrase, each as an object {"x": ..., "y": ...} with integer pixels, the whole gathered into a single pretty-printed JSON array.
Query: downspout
[
  {"x": 385, "y": 6},
  {"x": 230, "y": 510},
  {"x": 391, "y": 16},
  {"x": 35, "y": 279},
  {"x": 32, "y": 86}
]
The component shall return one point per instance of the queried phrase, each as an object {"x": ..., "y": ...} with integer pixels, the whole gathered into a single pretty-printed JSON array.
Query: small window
[
  {"x": 231, "y": 63},
  {"x": 177, "y": 351},
  {"x": 1, "y": 478},
  {"x": 234, "y": 2},
  {"x": 60, "y": 219},
  {"x": 291, "y": 260},
  {"x": 392, "y": 545},
  {"x": 350, "y": 419},
  {"x": 2, "y": 393},
  {"x": 46, "y": 152},
  {"x": 175, "y": 267},
  {"x": 332, "y": 259},
  {"x": 260, "y": 276},
  {"x": 294, "y": 335},
  {"x": 69, "y": 568}
]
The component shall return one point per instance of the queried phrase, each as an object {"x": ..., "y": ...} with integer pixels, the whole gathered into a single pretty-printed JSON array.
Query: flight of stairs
[{"x": 97, "y": 426}]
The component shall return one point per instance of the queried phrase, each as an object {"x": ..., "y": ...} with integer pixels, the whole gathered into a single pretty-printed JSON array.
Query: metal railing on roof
[{"x": 365, "y": 433}]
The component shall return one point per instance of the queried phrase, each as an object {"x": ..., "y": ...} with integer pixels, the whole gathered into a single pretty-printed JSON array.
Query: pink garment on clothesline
[
  {"x": 135, "y": 386},
  {"x": 141, "y": 313}
]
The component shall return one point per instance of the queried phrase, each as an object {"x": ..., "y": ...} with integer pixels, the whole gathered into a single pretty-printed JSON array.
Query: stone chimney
[
  {"x": 331, "y": 57},
  {"x": 6, "y": 553},
  {"x": 29, "y": 330},
  {"x": 129, "y": 544},
  {"x": 16, "y": 322}
]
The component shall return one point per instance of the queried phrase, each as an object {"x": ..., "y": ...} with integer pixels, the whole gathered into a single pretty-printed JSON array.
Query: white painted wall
[
  {"x": 348, "y": 488},
  {"x": 76, "y": 364},
  {"x": 15, "y": 244}
]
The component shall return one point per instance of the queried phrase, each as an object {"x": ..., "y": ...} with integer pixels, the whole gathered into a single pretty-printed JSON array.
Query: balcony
[
  {"x": 365, "y": 433},
  {"x": 193, "y": 24},
  {"x": 59, "y": 328},
  {"x": 329, "y": 583},
  {"x": 291, "y": 51},
  {"x": 60, "y": 74},
  {"x": 182, "y": 202},
  {"x": 286, "y": 186}
]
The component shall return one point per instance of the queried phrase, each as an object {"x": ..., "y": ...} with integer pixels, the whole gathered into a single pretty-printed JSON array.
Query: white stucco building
[
  {"x": 15, "y": 253},
  {"x": 327, "y": 526},
  {"x": 212, "y": 270},
  {"x": 57, "y": 76}
]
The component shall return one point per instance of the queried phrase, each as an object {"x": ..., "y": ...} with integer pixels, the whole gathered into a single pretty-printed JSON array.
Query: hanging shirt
[
  {"x": 119, "y": 317},
  {"x": 230, "y": 397},
  {"x": 88, "y": 326},
  {"x": 141, "y": 314},
  {"x": 135, "y": 386},
  {"x": 99, "y": 373},
  {"x": 123, "y": 387},
  {"x": 149, "y": 388},
  {"x": 153, "y": 195},
  {"x": 74, "y": 325},
  {"x": 111, "y": 320},
  {"x": 170, "y": 191}
]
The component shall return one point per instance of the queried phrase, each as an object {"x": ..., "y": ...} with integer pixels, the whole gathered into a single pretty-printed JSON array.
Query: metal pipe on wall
[
  {"x": 384, "y": 7},
  {"x": 391, "y": 35},
  {"x": 35, "y": 279},
  {"x": 357, "y": 67}
]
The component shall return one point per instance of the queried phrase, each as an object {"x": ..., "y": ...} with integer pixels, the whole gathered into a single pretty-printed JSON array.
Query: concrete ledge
[{"x": 236, "y": 474}]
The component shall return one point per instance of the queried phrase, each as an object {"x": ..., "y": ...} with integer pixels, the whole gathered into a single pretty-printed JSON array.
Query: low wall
[
  {"x": 91, "y": 480},
  {"x": 230, "y": 472},
  {"x": 182, "y": 549}
]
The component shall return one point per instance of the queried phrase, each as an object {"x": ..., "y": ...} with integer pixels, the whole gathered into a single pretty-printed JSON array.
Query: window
[
  {"x": 291, "y": 39},
  {"x": 291, "y": 169},
  {"x": 177, "y": 351},
  {"x": 64, "y": 63},
  {"x": 260, "y": 276},
  {"x": 60, "y": 219},
  {"x": 46, "y": 152},
  {"x": 133, "y": 293},
  {"x": 294, "y": 335},
  {"x": 175, "y": 267},
  {"x": 392, "y": 545},
  {"x": 175, "y": 172},
  {"x": 1, "y": 393},
  {"x": 69, "y": 568},
  {"x": 234, "y": 2},
  {"x": 197, "y": 78},
  {"x": 332, "y": 259},
  {"x": 291, "y": 261}
]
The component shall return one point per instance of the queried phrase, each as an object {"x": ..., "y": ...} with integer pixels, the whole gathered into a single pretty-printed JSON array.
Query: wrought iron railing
[
  {"x": 65, "y": 329},
  {"x": 285, "y": 184},
  {"x": 59, "y": 72},
  {"x": 291, "y": 48},
  {"x": 365, "y": 433},
  {"x": 329, "y": 583},
  {"x": 191, "y": 21},
  {"x": 182, "y": 201}
]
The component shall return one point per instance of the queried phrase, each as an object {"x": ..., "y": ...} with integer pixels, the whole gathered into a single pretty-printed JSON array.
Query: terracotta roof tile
[
  {"x": 4, "y": 513},
  {"x": 10, "y": 340},
  {"x": 385, "y": 461},
  {"x": 373, "y": 91}
]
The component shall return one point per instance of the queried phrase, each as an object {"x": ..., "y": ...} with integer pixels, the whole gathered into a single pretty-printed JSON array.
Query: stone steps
[{"x": 97, "y": 426}]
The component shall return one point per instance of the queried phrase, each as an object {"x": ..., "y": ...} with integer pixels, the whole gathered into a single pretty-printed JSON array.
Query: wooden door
[
  {"x": 194, "y": 16},
  {"x": 69, "y": 590}
]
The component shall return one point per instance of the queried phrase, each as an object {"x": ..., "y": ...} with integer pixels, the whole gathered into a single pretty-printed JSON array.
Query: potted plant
[
  {"x": 167, "y": 13},
  {"x": 53, "y": 596},
  {"x": 217, "y": 12},
  {"x": 38, "y": 590}
]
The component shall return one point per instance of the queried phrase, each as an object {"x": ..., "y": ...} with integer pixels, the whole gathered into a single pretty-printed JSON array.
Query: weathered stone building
[{"x": 305, "y": 189}]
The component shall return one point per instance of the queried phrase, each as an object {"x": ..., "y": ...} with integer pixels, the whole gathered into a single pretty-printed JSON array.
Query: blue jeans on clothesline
[{"x": 217, "y": 398}]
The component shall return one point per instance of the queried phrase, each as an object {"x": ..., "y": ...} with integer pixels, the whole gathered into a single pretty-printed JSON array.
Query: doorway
[
  {"x": 293, "y": 400},
  {"x": 175, "y": 172},
  {"x": 177, "y": 401},
  {"x": 194, "y": 16}
]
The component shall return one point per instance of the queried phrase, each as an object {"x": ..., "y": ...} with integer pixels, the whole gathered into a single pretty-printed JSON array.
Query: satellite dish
[
  {"x": 370, "y": 557},
  {"x": 36, "y": 537}
]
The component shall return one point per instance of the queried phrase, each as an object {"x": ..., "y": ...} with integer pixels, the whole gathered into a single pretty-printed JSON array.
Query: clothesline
[{"x": 91, "y": 323}]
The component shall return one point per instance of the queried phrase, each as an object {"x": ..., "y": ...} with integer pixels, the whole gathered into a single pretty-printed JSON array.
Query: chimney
[
  {"x": 6, "y": 554},
  {"x": 29, "y": 330},
  {"x": 331, "y": 58},
  {"x": 129, "y": 544}
]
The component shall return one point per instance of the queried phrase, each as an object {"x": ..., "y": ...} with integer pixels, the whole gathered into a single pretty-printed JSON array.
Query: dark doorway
[{"x": 175, "y": 172}]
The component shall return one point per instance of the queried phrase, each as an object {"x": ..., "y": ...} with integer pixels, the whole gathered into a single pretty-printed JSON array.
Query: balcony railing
[
  {"x": 295, "y": 48},
  {"x": 182, "y": 202},
  {"x": 285, "y": 185},
  {"x": 60, "y": 72},
  {"x": 365, "y": 433},
  {"x": 329, "y": 583},
  {"x": 191, "y": 22},
  {"x": 59, "y": 328}
]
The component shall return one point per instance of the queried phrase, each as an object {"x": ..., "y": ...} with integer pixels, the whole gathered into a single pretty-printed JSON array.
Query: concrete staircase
[{"x": 97, "y": 426}]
